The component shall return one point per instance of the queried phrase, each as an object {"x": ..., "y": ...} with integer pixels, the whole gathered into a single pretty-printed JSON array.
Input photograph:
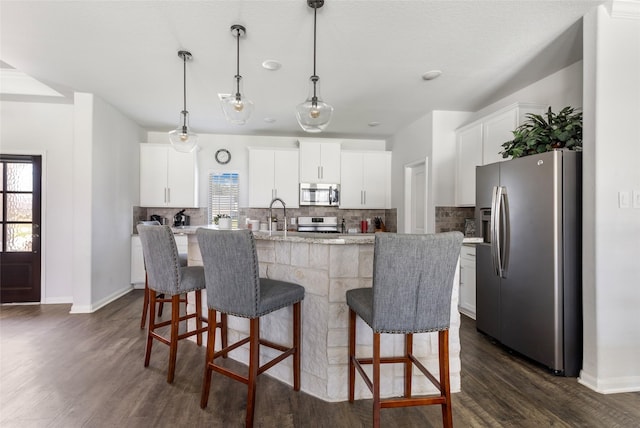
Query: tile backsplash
[
  {"x": 352, "y": 218},
  {"x": 455, "y": 218}
]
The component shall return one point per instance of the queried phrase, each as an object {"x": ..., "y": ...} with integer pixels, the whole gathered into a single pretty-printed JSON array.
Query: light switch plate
[
  {"x": 624, "y": 197},
  {"x": 636, "y": 199}
]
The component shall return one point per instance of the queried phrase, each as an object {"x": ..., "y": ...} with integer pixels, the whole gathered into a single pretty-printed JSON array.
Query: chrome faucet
[{"x": 284, "y": 207}]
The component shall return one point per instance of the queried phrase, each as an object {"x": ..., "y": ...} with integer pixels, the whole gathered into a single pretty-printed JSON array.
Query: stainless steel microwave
[{"x": 324, "y": 195}]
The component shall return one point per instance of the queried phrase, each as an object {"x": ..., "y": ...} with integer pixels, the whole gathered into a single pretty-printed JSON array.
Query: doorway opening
[
  {"x": 20, "y": 219},
  {"x": 416, "y": 182}
]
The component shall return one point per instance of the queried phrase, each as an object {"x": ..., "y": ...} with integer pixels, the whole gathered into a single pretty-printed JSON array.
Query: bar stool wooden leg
[
  {"x": 445, "y": 387},
  {"x": 254, "y": 365},
  {"x": 296, "y": 345},
  {"x": 376, "y": 380},
  {"x": 211, "y": 341},
  {"x": 408, "y": 365},
  {"x": 173, "y": 343},
  {"x": 223, "y": 332},
  {"x": 199, "y": 316},
  {"x": 145, "y": 302},
  {"x": 152, "y": 325},
  {"x": 352, "y": 354}
]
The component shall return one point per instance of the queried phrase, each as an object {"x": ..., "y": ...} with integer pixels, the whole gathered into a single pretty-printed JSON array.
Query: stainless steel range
[{"x": 318, "y": 224}]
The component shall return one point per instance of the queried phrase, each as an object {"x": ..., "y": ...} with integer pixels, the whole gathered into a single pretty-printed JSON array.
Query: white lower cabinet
[
  {"x": 467, "y": 300},
  {"x": 137, "y": 260}
]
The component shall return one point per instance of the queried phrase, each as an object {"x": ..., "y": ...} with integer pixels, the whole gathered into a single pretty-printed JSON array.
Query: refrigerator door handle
[
  {"x": 494, "y": 228},
  {"x": 499, "y": 227}
]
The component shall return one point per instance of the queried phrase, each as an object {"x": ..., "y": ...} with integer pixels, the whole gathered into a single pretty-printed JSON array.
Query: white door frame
[{"x": 408, "y": 193}]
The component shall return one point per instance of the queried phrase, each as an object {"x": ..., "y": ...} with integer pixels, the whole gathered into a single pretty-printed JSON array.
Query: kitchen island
[{"x": 327, "y": 265}]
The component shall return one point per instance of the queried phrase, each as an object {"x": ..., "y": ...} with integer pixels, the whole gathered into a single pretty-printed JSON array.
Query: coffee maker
[{"x": 181, "y": 219}]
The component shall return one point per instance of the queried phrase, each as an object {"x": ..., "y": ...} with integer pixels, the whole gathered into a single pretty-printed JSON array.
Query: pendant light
[
  {"x": 182, "y": 139},
  {"x": 314, "y": 115},
  {"x": 237, "y": 108}
]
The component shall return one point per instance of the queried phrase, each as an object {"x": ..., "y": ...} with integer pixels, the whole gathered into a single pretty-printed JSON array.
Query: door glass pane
[
  {"x": 19, "y": 206},
  {"x": 19, "y": 177},
  {"x": 19, "y": 237}
]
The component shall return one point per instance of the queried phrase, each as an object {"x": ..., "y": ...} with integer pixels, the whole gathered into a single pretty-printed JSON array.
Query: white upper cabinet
[
  {"x": 498, "y": 129},
  {"x": 319, "y": 162},
  {"x": 480, "y": 143},
  {"x": 168, "y": 178},
  {"x": 469, "y": 156},
  {"x": 273, "y": 173},
  {"x": 366, "y": 180}
]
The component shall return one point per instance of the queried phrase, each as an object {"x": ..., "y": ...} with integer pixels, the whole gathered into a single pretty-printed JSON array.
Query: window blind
[{"x": 223, "y": 195}]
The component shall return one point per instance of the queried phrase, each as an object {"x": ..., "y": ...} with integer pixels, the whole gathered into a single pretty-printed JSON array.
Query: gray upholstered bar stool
[
  {"x": 234, "y": 288},
  {"x": 161, "y": 299},
  {"x": 166, "y": 276},
  {"x": 411, "y": 293}
]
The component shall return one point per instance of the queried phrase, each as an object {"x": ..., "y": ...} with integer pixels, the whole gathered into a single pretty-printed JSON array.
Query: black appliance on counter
[
  {"x": 181, "y": 219},
  {"x": 158, "y": 218}
]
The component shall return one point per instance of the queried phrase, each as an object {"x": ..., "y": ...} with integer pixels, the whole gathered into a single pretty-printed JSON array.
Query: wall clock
[{"x": 223, "y": 156}]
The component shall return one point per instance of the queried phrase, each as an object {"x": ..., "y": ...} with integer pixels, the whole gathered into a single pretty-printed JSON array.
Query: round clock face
[{"x": 223, "y": 156}]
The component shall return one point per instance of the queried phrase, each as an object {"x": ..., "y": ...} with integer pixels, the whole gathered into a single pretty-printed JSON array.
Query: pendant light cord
[
  {"x": 314, "y": 78},
  {"x": 184, "y": 92},
  {"x": 238, "y": 77}
]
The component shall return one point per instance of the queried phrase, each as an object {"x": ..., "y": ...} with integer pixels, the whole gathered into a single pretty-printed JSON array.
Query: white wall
[
  {"x": 432, "y": 136},
  {"x": 560, "y": 89},
  {"x": 611, "y": 272},
  {"x": 115, "y": 189},
  {"x": 411, "y": 145},
  {"x": 47, "y": 130},
  {"x": 237, "y": 145},
  {"x": 105, "y": 187}
]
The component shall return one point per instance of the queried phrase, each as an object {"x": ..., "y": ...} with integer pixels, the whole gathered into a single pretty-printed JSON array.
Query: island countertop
[{"x": 305, "y": 237}]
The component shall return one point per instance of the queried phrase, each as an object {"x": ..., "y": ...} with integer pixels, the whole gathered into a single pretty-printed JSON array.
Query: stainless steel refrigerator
[{"x": 528, "y": 271}]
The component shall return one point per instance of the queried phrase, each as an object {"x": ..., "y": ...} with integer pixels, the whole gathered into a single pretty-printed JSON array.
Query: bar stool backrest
[
  {"x": 413, "y": 281},
  {"x": 231, "y": 271},
  {"x": 161, "y": 258}
]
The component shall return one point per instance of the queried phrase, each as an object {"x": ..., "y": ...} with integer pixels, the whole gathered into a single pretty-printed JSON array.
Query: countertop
[{"x": 308, "y": 237}]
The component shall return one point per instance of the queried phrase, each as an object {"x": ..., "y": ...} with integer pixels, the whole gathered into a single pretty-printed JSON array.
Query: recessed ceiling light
[
  {"x": 271, "y": 64},
  {"x": 269, "y": 119},
  {"x": 374, "y": 123},
  {"x": 432, "y": 74}
]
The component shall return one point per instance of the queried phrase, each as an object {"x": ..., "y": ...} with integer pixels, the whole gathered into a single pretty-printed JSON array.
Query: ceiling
[{"x": 371, "y": 56}]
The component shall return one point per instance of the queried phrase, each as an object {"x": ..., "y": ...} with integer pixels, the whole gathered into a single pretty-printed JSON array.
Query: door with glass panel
[{"x": 20, "y": 206}]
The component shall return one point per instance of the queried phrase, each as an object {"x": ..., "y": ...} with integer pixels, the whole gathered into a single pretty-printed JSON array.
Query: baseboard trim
[
  {"x": 611, "y": 385},
  {"x": 87, "y": 309}
]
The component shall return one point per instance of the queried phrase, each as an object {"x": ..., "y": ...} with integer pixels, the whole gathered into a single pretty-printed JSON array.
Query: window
[{"x": 223, "y": 195}]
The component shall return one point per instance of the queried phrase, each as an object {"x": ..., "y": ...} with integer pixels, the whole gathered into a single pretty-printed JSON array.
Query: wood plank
[{"x": 59, "y": 369}]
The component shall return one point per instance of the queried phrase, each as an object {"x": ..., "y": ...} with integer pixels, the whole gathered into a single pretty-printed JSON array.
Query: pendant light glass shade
[
  {"x": 314, "y": 114},
  {"x": 181, "y": 138},
  {"x": 236, "y": 107}
]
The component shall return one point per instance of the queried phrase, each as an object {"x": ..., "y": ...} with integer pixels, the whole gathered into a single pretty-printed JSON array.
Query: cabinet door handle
[
  {"x": 322, "y": 172},
  {"x": 364, "y": 193},
  {"x": 319, "y": 176},
  {"x": 168, "y": 195}
]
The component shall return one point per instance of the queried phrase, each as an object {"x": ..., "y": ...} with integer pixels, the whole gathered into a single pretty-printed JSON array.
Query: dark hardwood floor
[{"x": 61, "y": 370}]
